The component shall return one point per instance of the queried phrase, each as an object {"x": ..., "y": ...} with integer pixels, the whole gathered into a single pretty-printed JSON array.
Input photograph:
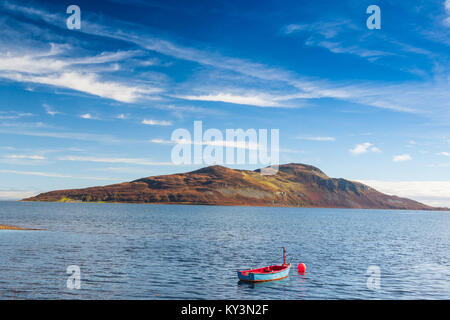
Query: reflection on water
[{"x": 193, "y": 252}]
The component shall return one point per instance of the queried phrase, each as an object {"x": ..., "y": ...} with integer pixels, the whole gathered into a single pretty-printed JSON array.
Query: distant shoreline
[{"x": 433, "y": 209}]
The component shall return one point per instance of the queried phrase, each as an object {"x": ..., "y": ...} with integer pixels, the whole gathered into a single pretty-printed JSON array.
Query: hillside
[{"x": 294, "y": 185}]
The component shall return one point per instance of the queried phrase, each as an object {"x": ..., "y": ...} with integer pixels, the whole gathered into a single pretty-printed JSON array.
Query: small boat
[{"x": 269, "y": 273}]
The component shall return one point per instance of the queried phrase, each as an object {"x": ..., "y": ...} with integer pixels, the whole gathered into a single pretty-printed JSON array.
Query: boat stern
[{"x": 245, "y": 276}]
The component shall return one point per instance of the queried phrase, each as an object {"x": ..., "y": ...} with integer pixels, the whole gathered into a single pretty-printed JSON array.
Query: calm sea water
[{"x": 129, "y": 251}]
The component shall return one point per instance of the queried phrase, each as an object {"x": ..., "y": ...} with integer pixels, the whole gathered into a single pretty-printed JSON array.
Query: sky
[{"x": 98, "y": 105}]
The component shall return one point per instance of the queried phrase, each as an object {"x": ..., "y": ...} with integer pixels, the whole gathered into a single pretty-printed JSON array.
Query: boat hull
[{"x": 257, "y": 276}]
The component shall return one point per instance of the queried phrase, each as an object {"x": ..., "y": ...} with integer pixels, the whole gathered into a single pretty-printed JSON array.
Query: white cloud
[
  {"x": 447, "y": 154},
  {"x": 364, "y": 148},
  {"x": 401, "y": 157},
  {"x": 86, "y": 116},
  {"x": 434, "y": 193},
  {"x": 156, "y": 122}
]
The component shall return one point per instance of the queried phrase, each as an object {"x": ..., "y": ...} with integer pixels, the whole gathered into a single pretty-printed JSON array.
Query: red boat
[{"x": 270, "y": 273}]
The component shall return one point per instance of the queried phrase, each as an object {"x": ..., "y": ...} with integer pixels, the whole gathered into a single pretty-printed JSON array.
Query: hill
[{"x": 293, "y": 185}]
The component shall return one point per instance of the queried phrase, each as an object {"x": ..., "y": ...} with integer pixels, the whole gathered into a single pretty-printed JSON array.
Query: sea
[{"x": 146, "y": 251}]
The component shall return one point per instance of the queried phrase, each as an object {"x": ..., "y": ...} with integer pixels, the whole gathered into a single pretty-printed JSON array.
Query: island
[{"x": 294, "y": 185}]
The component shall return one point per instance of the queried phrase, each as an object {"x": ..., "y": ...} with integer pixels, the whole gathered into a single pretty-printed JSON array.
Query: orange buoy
[{"x": 301, "y": 267}]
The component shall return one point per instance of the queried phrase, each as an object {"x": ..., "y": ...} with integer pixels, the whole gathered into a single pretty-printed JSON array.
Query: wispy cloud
[
  {"x": 36, "y": 173},
  {"x": 364, "y": 93},
  {"x": 102, "y": 138},
  {"x": 319, "y": 138},
  {"x": 50, "y": 68},
  {"x": 86, "y": 82},
  {"x": 107, "y": 57},
  {"x": 181, "y": 111},
  {"x": 339, "y": 47},
  {"x": 292, "y": 28},
  {"x": 329, "y": 35},
  {"x": 252, "y": 100},
  {"x": 140, "y": 171},
  {"x": 49, "y": 110},
  {"x": 11, "y": 115},
  {"x": 27, "y": 157},
  {"x": 447, "y": 154},
  {"x": 337, "y": 37},
  {"x": 134, "y": 161},
  {"x": 30, "y": 64},
  {"x": 50, "y": 175},
  {"x": 50, "y": 18}
]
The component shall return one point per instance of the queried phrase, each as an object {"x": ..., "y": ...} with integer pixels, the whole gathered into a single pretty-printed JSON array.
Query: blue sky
[{"x": 96, "y": 106}]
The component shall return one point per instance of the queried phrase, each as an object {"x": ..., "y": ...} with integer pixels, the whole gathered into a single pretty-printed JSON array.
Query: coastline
[{"x": 226, "y": 204}]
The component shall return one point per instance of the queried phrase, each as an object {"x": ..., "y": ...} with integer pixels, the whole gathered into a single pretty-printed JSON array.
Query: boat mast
[{"x": 284, "y": 256}]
